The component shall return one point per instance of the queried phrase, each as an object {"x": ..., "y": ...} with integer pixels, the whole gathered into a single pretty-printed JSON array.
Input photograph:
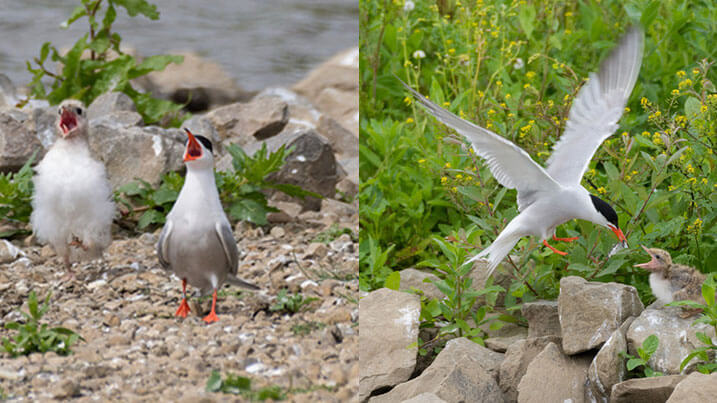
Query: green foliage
[
  {"x": 242, "y": 190},
  {"x": 16, "y": 196},
  {"x": 34, "y": 337},
  {"x": 456, "y": 314},
  {"x": 332, "y": 233},
  {"x": 707, "y": 353},
  {"x": 239, "y": 385},
  {"x": 515, "y": 68},
  {"x": 145, "y": 203},
  {"x": 290, "y": 304},
  {"x": 303, "y": 329},
  {"x": 648, "y": 348},
  {"x": 107, "y": 68}
]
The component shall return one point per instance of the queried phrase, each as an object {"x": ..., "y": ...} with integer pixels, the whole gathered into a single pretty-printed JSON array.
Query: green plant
[
  {"x": 241, "y": 190},
  {"x": 290, "y": 303},
  {"x": 648, "y": 348},
  {"x": 707, "y": 353},
  {"x": 332, "y": 233},
  {"x": 456, "y": 314},
  {"x": 107, "y": 68},
  {"x": 150, "y": 205},
  {"x": 15, "y": 196},
  {"x": 35, "y": 337},
  {"x": 239, "y": 385},
  {"x": 302, "y": 329}
]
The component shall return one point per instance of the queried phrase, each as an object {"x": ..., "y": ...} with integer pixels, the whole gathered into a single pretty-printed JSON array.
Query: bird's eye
[
  {"x": 59, "y": 111},
  {"x": 659, "y": 257},
  {"x": 79, "y": 111}
]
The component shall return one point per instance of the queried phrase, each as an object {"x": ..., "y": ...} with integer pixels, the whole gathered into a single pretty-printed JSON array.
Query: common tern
[
  {"x": 548, "y": 197},
  {"x": 197, "y": 242},
  {"x": 72, "y": 205}
]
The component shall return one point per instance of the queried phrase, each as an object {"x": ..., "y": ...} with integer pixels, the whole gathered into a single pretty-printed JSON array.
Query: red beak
[
  {"x": 68, "y": 121},
  {"x": 619, "y": 234},
  {"x": 194, "y": 149}
]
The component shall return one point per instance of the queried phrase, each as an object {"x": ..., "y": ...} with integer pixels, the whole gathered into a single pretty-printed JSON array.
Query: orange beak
[
  {"x": 619, "y": 234},
  {"x": 194, "y": 149}
]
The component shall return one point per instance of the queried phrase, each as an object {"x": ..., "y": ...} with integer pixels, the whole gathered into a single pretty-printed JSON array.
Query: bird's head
[
  {"x": 607, "y": 217},
  {"x": 660, "y": 260},
  {"x": 198, "y": 152},
  {"x": 72, "y": 118}
]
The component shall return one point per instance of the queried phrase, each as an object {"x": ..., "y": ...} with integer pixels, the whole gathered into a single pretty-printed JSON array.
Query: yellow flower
[
  {"x": 704, "y": 181},
  {"x": 685, "y": 83},
  {"x": 530, "y": 75},
  {"x": 461, "y": 113},
  {"x": 446, "y": 104},
  {"x": 670, "y": 188},
  {"x": 481, "y": 94},
  {"x": 569, "y": 14},
  {"x": 627, "y": 109},
  {"x": 449, "y": 41},
  {"x": 444, "y": 180},
  {"x": 681, "y": 120},
  {"x": 526, "y": 86},
  {"x": 675, "y": 92},
  {"x": 511, "y": 114},
  {"x": 494, "y": 34},
  {"x": 690, "y": 169},
  {"x": 408, "y": 100},
  {"x": 452, "y": 50},
  {"x": 499, "y": 83},
  {"x": 502, "y": 104},
  {"x": 646, "y": 134},
  {"x": 491, "y": 111},
  {"x": 601, "y": 190},
  {"x": 695, "y": 71},
  {"x": 681, "y": 73},
  {"x": 448, "y": 164},
  {"x": 422, "y": 160},
  {"x": 507, "y": 96},
  {"x": 454, "y": 189},
  {"x": 459, "y": 176},
  {"x": 409, "y": 120},
  {"x": 644, "y": 101},
  {"x": 703, "y": 108},
  {"x": 568, "y": 32},
  {"x": 489, "y": 125}
]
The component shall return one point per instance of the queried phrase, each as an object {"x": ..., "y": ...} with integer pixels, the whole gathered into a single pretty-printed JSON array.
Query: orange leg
[
  {"x": 212, "y": 317},
  {"x": 183, "y": 309},
  {"x": 553, "y": 249},
  {"x": 565, "y": 239}
]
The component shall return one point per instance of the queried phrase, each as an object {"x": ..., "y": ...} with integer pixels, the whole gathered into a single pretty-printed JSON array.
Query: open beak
[
  {"x": 620, "y": 236},
  {"x": 652, "y": 264},
  {"x": 68, "y": 121},
  {"x": 194, "y": 149}
]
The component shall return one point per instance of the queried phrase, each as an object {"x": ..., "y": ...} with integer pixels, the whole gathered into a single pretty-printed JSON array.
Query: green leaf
[
  {"x": 633, "y": 363},
  {"x": 526, "y": 16},
  {"x": 249, "y": 210},
  {"x": 154, "y": 63},
  {"x": 164, "y": 195},
  {"x": 649, "y": 13},
  {"x": 214, "y": 383},
  {"x": 650, "y": 345},
  {"x": 135, "y": 7},
  {"x": 692, "y": 107},
  {"x": 78, "y": 12},
  {"x": 150, "y": 216},
  {"x": 32, "y": 305},
  {"x": 393, "y": 281}
]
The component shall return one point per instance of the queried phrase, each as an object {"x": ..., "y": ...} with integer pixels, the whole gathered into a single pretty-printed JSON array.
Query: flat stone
[
  {"x": 554, "y": 377},
  {"x": 677, "y": 337},
  {"x": 415, "y": 279},
  {"x": 517, "y": 358},
  {"x": 457, "y": 374},
  {"x": 542, "y": 317},
  {"x": 425, "y": 398},
  {"x": 590, "y": 311},
  {"x": 696, "y": 387},
  {"x": 391, "y": 317},
  {"x": 645, "y": 390}
]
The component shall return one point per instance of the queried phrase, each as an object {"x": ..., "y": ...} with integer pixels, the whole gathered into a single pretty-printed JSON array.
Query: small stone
[
  {"x": 316, "y": 250},
  {"x": 67, "y": 389},
  {"x": 8, "y": 251},
  {"x": 277, "y": 232},
  {"x": 645, "y": 390}
]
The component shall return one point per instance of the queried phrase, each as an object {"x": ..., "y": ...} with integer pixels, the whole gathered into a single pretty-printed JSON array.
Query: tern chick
[
  {"x": 197, "y": 242},
  {"x": 72, "y": 203},
  {"x": 673, "y": 282}
]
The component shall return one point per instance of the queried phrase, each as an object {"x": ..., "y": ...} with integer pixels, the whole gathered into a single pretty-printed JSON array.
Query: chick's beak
[
  {"x": 68, "y": 121},
  {"x": 652, "y": 264},
  {"x": 194, "y": 149}
]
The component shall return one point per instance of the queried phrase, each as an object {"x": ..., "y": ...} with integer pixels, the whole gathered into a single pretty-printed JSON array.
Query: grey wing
[
  {"x": 226, "y": 238},
  {"x": 163, "y": 245}
]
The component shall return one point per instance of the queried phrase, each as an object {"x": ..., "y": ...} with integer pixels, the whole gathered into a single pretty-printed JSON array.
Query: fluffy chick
[
  {"x": 72, "y": 204},
  {"x": 673, "y": 282}
]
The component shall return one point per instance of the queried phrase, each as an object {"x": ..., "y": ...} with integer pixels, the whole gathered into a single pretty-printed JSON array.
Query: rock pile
[{"x": 571, "y": 351}]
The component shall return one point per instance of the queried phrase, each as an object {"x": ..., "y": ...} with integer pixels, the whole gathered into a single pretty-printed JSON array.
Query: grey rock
[
  {"x": 45, "y": 130},
  {"x": 591, "y": 311},
  {"x": 17, "y": 139},
  {"x": 554, "y": 377},
  {"x": 343, "y": 141},
  {"x": 391, "y": 317},
  {"x": 517, "y": 358},
  {"x": 608, "y": 367},
  {"x": 543, "y": 319},
  {"x": 460, "y": 372},
  {"x": 109, "y": 103},
  {"x": 696, "y": 387},
  {"x": 200, "y": 124},
  {"x": 412, "y": 278},
  {"x": 8, "y": 97},
  {"x": 8, "y": 251},
  {"x": 425, "y": 398},
  {"x": 645, "y": 390},
  {"x": 246, "y": 123},
  {"x": 677, "y": 337},
  {"x": 346, "y": 189},
  {"x": 311, "y": 165},
  {"x": 133, "y": 152},
  {"x": 502, "y": 343}
]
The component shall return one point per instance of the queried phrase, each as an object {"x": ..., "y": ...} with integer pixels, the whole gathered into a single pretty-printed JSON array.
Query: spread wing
[
  {"x": 596, "y": 110},
  {"x": 226, "y": 238},
  {"x": 163, "y": 245},
  {"x": 511, "y": 166}
]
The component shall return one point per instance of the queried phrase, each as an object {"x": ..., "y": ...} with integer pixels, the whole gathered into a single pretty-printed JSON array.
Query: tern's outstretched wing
[
  {"x": 596, "y": 110},
  {"x": 511, "y": 166}
]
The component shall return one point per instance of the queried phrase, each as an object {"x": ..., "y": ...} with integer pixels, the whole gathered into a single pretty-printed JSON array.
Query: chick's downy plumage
[
  {"x": 673, "y": 282},
  {"x": 197, "y": 242},
  {"x": 72, "y": 203}
]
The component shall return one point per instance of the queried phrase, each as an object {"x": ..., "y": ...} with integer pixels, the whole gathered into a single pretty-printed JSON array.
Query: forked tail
[{"x": 499, "y": 249}]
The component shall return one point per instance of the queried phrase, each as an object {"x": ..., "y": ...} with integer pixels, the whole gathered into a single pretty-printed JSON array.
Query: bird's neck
[{"x": 200, "y": 189}]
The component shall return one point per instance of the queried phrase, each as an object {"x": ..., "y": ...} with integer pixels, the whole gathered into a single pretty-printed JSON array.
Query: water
[{"x": 259, "y": 42}]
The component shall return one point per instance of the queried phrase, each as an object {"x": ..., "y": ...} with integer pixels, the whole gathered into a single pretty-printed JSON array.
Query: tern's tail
[
  {"x": 231, "y": 279},
  {"x": 498, "y": 250}
]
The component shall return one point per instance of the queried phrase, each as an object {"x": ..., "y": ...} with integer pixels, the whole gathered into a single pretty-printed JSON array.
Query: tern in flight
[{"x": 548, "y": 197}]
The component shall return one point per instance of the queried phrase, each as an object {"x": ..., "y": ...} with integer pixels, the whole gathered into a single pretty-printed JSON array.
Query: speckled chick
[
  {"x": 72, "y": 207},
  {"x": 673, "y": 282}
]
